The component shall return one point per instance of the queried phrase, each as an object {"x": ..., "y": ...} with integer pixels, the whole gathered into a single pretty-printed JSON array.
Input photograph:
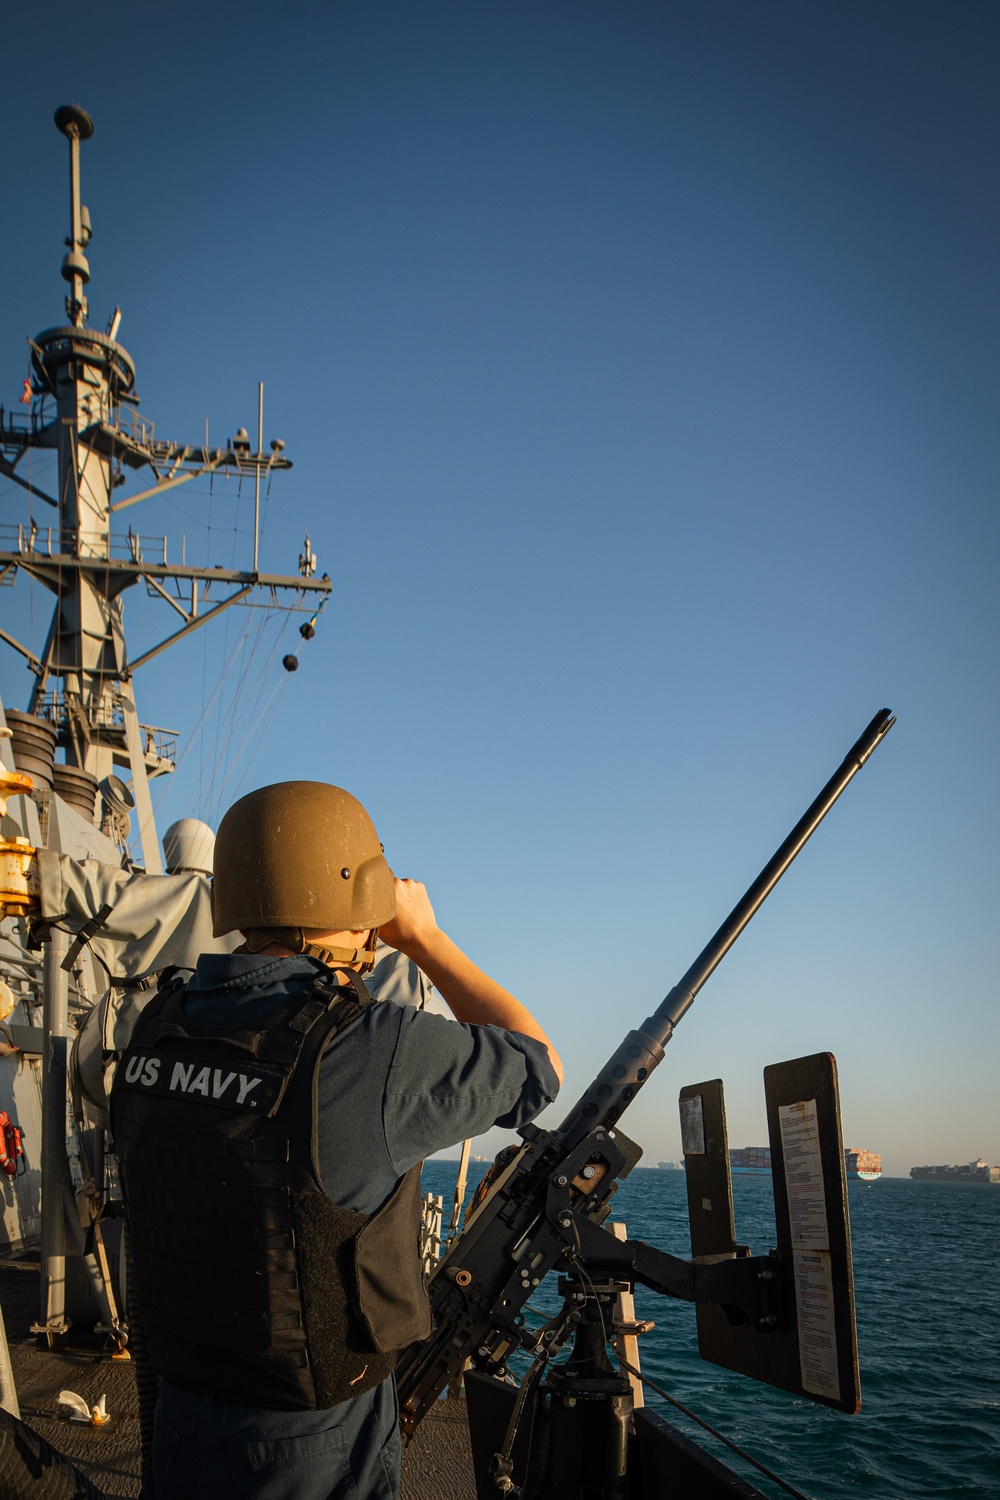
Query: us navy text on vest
[{"x": 200, "y": 1082}]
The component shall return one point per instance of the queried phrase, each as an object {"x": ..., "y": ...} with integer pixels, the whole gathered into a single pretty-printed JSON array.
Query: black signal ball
[
  {"x": 290, "y": 663},
  {"x": 307, "y": 631}
]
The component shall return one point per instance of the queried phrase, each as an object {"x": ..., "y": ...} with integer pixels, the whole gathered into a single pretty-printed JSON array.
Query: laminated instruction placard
[
  {"x": 692, "y": 1126},
  {"x": 810, "y": 1248}
]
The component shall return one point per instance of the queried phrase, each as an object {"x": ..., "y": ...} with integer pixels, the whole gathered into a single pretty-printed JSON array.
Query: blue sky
[{"x": 638, "y": 364}]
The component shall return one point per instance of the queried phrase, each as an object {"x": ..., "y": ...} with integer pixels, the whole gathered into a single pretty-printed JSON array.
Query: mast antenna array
[
  {"x": 84, "y": 675},
  {"x": 76, "y": 125}
]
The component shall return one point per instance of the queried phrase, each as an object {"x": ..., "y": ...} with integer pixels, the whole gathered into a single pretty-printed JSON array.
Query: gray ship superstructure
[{"x": 80, "y": 738}]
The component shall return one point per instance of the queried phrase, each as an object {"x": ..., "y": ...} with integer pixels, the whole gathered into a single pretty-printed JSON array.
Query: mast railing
[{"x": 109, "y": 714}]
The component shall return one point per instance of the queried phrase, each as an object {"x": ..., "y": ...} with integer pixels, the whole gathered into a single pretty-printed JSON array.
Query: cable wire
[
  {"x": 260, "y": 738},
  {"x": 195, "y": 737},
  {"x": 241, "y": 711},
  {"x": 775, "y": 1478},
  {"x": 234, "y": 761}
]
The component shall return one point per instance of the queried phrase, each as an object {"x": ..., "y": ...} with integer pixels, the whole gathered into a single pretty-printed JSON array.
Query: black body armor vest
[{"x": 252, "y": 1284}]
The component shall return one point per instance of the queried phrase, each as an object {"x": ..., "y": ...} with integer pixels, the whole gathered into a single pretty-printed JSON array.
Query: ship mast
[{"x": 84, "y": 677}]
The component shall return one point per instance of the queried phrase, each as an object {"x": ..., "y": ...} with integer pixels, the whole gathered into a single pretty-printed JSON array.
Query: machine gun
[{"x": 786, "y": 1318}]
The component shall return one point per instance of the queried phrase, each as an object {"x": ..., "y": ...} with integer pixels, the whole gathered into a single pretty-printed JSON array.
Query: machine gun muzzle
[{"x": 624, "y": 1074}]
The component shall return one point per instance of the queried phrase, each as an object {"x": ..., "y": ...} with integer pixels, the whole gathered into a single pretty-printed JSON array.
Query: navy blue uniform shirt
[{"x": 394, "y": 1087}]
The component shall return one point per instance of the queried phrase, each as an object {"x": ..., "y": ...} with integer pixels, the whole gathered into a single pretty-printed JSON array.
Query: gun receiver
[{"x": 550, "y": 1200}]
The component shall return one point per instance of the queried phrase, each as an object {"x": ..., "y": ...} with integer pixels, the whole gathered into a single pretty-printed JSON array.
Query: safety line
[{"x": 775, "y": 1478}]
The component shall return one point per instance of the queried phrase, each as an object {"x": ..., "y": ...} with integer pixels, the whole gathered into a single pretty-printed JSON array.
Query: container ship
[
  {"x": 865, "y": 1166},
  {"x": 970, "y": 1171}
]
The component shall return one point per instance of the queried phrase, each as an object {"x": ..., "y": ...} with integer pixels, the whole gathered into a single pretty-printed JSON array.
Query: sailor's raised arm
[{"x": 471, "y": 994}]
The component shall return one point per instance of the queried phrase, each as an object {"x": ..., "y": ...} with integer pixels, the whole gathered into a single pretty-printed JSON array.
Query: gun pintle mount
[{"x": 546, "y": 1207}]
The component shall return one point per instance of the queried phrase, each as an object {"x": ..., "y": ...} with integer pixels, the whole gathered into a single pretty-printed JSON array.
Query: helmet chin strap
[{"x": 295, "y": 938}]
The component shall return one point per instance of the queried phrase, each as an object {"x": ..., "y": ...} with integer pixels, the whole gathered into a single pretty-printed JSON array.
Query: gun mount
[{"x": 544, "y": 1209}]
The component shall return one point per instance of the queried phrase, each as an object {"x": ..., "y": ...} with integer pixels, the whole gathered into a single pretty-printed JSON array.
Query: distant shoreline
[{"x": 452, "y": 1161}]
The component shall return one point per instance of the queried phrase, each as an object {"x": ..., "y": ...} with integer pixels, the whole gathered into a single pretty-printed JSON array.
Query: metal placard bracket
[{"x": 812, "y": 1349}]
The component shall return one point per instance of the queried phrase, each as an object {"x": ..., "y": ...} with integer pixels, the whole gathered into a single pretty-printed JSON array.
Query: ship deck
[{"x": 437, "y": 1465}]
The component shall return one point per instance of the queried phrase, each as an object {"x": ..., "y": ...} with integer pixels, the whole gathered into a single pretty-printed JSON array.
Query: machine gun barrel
[
  {"x": 627, "y": 1070},
  {"x": 529, "y": 1217}
]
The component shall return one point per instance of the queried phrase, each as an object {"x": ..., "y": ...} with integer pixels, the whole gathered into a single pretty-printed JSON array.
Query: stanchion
[{"x": 52, "y": 1311}]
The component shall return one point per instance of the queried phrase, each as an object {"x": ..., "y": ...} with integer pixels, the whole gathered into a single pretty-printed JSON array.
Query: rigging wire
[
  {"x": 188, "y": 515},
  {"x": 195, "y": 737},
  {"x": 204, "y": 683},
  {"x": 206, "y": 702},
  {"x": 267, "y": 497},
  {"x": 242, "y": 705},
  {"x": 775, "y": 1478},
  {"x": 227, "y": 624},
  {"x": 235, "y": 526},
  {"x": 257, "y": 728},
  {"x": 234, "y": 674},
  {"x": 212, "y": 534},
  {"x": 276, "y": 694},
  {"x": 233, "y": 717},
  {"x": 238, "y": 719}
]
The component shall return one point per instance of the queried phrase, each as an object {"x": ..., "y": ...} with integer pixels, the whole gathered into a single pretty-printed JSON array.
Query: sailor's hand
[
  {"x": 472, "y": 995},
  {"x": 414, "y": 924}
]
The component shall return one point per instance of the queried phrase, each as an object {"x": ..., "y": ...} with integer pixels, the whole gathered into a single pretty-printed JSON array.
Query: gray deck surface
[{"x": 437, "y": 1465}]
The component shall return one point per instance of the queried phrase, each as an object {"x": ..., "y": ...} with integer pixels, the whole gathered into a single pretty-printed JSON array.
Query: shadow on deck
[{"x": 437, "y": 1465}]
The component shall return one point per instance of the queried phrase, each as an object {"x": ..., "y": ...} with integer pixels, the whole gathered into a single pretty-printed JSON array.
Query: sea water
[{"x": 928, "y": 1302}]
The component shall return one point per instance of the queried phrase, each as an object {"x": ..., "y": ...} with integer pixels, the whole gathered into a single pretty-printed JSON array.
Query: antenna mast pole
[
  {"x": 76, "y": 125},
  {"x": 256, "y": 481}
]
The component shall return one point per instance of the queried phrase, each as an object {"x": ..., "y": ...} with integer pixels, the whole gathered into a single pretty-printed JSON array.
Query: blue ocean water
[{"x": 928, "y": 1304}]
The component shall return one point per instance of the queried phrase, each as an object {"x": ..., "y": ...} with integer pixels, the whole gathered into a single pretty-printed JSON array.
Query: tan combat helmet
[{"x": 301, "y": 855}]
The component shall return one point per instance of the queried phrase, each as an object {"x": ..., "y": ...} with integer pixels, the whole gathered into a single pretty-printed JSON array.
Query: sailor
[{"x": 270, "y": 1121}]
